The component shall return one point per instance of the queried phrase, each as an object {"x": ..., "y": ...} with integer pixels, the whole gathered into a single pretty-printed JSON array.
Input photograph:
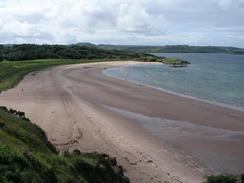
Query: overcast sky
[{"x": 151, "y": 22}]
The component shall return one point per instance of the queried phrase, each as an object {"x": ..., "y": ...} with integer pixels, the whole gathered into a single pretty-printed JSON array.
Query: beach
[{"x": 81, "y": 108}]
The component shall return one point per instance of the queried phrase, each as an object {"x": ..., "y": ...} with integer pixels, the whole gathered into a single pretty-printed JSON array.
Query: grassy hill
[{"x": 27, "y": 156}]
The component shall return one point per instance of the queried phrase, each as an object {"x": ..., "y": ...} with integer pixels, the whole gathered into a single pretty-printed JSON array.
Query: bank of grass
[
  {"x": 26, "y": 156},
  {"x": 173, "y": 62},
  {"x": 11, "y": 72}
]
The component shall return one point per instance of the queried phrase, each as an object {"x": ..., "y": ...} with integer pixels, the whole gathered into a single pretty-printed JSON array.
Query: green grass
[
  {"x": 11, "y": 72},
  {"x": 169, "y": 61},
  {"x": 27, "y": 156},
  {"x": 175, "y": 62}
]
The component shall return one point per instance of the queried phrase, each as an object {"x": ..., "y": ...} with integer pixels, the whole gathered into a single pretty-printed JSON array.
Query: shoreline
[
  {"x": 218, "y": 104},
  {"x": 71, "y": 100}
]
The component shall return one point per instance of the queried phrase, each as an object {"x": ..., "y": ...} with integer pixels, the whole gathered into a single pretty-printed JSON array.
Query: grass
[
  {"x": 170, "y": 60},
  {"x": 174, "y": 62},
  {"x": 26, "y": 155}
]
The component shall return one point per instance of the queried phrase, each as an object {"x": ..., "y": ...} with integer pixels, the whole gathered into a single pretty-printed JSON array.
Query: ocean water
[{"x": 217, "y": 78}]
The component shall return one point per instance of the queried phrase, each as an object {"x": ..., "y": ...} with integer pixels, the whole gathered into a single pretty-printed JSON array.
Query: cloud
[
  {"x": 134, "y": 18},
  {"x": 121, "y": 21},
  {"x": 230, "y": 4}
]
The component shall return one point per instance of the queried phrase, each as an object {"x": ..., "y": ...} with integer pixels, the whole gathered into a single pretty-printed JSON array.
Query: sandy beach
[{"x": 156, "y": 136}]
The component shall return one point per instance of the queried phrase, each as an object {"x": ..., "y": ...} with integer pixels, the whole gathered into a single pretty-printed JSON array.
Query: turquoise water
[{"x": 217, "y": 78}]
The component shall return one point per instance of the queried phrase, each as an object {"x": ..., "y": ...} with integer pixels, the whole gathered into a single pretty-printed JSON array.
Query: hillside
[
  {"x": 173, "y": 49},
  {"x": 26, "y": 155}
]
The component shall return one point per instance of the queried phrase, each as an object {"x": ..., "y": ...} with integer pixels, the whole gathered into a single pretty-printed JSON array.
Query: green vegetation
[
  {"x": 27, "y": 156},
  {"x": 173, "y": 49},
  {"x": 13, "y": 64},
  {"x": 32, "y": 52},
  {"x": 173, "y": 62},
  {"x": 222, "y": 179}
]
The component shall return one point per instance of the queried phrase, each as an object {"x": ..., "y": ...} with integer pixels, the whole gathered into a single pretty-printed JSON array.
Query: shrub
[
  {"x": 221, "y": 179},
  {"x": 3, "y": 108},
  {"x": 12, "y": 111}
]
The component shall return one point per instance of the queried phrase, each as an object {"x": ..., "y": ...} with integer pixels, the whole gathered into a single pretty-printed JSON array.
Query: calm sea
[{"x": 217, "y": 78}]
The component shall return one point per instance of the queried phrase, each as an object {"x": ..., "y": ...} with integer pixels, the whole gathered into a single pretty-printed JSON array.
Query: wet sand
[{"x": 155, "y": 135}]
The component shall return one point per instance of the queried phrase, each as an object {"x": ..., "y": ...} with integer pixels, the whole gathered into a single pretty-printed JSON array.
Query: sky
[{"x": 134, "y": 22}]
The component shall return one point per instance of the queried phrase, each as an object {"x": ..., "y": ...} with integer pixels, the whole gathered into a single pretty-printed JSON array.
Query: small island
[{"x": 172, "y": 62}]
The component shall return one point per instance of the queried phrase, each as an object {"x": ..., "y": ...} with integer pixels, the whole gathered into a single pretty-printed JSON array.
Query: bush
[
  {"x": 221, "y": 179},
  {"x": 22, "y": 168}
]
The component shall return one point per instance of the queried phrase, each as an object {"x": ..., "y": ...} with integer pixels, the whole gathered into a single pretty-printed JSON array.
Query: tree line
[{"x": 19, "y": 52}]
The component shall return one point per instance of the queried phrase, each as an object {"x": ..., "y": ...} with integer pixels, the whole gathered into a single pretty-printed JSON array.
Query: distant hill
[
  {"x": 173, "y": 49},
  {"x": 85, "y": 44}
]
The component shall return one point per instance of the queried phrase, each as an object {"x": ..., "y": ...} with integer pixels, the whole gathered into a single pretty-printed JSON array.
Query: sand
[{"x": 81, "y": 108}]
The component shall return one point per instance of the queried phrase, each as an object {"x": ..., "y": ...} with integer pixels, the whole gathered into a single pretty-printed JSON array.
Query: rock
[{"x": 150, "y": 161}]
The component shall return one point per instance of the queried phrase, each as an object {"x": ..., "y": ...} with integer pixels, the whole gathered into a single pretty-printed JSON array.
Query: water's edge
[{"x": 219, "y": 104}]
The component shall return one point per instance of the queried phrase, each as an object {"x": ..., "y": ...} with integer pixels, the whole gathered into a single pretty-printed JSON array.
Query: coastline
[
  {"x": 72, "y": 99},
  {"x": 219, "y": 104}
]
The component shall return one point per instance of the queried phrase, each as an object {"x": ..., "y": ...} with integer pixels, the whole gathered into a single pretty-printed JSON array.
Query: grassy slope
[{"x": 27, "y": 156}]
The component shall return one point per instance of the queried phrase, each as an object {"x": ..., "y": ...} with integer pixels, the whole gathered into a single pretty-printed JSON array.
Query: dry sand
[{"x": 80, "y": 108}]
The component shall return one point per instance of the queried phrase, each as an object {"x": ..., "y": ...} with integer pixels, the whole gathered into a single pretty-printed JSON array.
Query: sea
[{"x": 211, "y": 77}]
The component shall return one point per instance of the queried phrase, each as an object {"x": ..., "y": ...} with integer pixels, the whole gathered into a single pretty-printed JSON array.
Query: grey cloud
[
  {"x": 15, "y": 38},
  {"x": 208, "y": 22}
]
